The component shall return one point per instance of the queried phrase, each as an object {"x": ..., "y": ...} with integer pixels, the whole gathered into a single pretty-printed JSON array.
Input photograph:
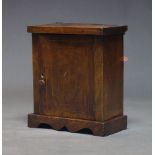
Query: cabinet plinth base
[{"x": 73, "y": 125}]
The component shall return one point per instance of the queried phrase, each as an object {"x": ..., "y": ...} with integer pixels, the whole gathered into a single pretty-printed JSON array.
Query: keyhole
[{"x": 42, "y": 76}]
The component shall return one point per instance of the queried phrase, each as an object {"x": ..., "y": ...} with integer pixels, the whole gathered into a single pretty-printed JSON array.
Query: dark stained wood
[
  {"x": 67, "y": 64},
  {"x": 73, "y": 125},
  {"x": 36, "y": 60},
  {"x": 78, "y": 79},
  {"x": 85, "y": 29},
  {"x": 113, "y": 76},
  {"x": 98, "y": 78}
]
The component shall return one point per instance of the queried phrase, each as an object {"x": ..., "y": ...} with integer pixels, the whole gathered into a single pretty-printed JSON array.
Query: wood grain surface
[{"x": 76, "y": 28}]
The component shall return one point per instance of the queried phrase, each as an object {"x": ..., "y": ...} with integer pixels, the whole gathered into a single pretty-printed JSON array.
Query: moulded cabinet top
[{"x": 78, "y": 28}]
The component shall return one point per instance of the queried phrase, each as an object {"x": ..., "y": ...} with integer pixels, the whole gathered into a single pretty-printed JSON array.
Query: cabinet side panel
[
  {"x": 35, "y": 61},
  {"x": 112, "y": 76}
]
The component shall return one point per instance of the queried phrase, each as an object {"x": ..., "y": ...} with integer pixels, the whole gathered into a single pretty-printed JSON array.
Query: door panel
[{"x": 66, "y": 68}]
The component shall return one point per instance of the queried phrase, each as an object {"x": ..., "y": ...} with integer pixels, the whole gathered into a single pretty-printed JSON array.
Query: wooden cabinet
[{"x": 78, "y": 77}]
